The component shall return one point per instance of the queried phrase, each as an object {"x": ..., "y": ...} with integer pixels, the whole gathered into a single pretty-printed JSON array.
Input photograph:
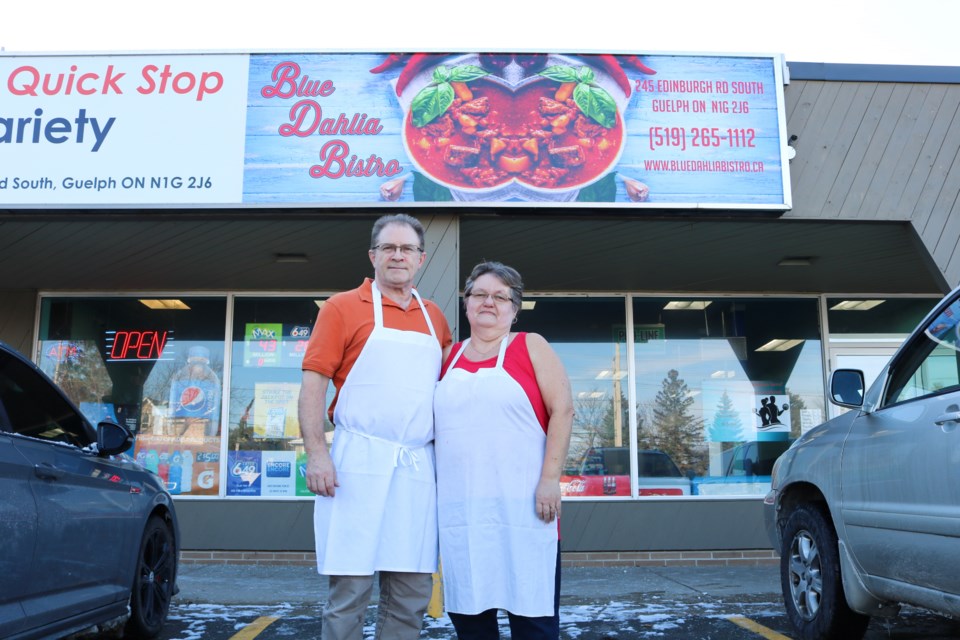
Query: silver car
[
  {"x": 865, "y": 509},
  {"x": 89, "y": 537}
]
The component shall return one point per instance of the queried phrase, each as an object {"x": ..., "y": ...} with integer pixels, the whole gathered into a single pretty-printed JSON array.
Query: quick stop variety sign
[{"x": 320, "y": 129}]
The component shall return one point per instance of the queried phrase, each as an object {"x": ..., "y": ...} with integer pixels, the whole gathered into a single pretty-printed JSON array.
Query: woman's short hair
[{"x": 507, "y": 275}]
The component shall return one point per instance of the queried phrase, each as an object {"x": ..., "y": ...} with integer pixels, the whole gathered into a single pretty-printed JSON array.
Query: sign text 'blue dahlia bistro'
[{"x": 348, "y": 129}]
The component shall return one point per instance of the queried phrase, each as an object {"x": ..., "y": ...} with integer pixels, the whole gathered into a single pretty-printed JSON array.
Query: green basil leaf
[
  {"x": 431, "y": 103},
  {"x": 585, "y": 74},
  {"x": 467, "y": 72},
  {"x": 426, "y": 190},
  {"x": 559, "y": 74},
  {"x": 603, "y": 190},
  {"x": 596, "y": 103},
  {"x": 441, "y": 74}
]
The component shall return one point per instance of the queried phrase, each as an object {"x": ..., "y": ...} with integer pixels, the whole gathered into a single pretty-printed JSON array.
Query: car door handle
[
  {"x": 47, "y": 472},
  {"x": 953, "y": 416}
]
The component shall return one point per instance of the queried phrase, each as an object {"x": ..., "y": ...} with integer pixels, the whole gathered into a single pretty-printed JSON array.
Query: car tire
[
  {"x": 810, "y": 579},
  {"x": 153, "y": 581}
]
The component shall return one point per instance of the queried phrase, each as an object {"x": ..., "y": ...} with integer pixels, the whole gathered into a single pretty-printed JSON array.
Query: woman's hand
[{"x": 548, "y": 500}]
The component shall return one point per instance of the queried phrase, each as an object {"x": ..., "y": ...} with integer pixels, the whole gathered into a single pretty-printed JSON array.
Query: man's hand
[{"x": 321, "y": 474}]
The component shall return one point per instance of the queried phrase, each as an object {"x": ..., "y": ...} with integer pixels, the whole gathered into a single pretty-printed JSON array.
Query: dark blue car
[{"x": 90, "y": 537}]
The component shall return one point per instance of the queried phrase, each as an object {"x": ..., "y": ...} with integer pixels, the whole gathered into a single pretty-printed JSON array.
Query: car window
[
  {"x": 33, "y": 408},
  {"x": 931, "y": 362},
  {"x": 657, "y": 465}
]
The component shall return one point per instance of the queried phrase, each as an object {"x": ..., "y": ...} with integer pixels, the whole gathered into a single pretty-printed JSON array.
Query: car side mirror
[
  {"x": 112, "y": 438},
  {"x": 846, "y": 388}
]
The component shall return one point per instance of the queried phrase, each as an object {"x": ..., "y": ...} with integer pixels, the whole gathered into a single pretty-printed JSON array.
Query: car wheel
[
  {"x": 153, "y": 583},
  {"x": 810, "y": 579}
]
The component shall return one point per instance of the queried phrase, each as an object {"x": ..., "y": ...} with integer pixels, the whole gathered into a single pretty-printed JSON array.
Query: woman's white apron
[
  {"x": 384, "y": 514},
  {"x": 496, "y": 553}
]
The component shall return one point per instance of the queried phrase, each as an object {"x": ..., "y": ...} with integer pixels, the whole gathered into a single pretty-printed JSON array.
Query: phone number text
[{"x": 681, "y": 137}]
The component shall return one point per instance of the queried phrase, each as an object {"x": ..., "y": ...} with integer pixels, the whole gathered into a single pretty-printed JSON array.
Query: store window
[
  {"x": 866, "y": 331},
  {"x": 265, "y": 452},
  {"x": 152, "y": 364},
  {"x": 723, "y": 385},
  {"x": 587, "y": 334}
]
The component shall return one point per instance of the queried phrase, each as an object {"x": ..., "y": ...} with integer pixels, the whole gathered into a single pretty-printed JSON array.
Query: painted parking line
[
  {"x": 253, "y": 629},
  {"x": 750, "y": 625}
]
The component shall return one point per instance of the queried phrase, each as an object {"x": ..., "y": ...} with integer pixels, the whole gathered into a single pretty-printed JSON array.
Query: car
[
  {"x": 753, "y": 458},
  {"x": 90, "y": 537},
  {"x": 606, "y": 471},
  {"x": 865, "y": 508}
]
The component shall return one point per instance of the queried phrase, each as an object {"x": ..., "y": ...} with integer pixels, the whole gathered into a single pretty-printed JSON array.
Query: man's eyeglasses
[
  {"x": 407, "y": 250},
  {"x": 481, "y": 297}
]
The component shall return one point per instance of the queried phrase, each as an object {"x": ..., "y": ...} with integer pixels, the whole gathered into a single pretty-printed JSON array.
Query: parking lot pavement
[
  {"x": 596, "y": 602},
  {"x": 224, "y": 602}
]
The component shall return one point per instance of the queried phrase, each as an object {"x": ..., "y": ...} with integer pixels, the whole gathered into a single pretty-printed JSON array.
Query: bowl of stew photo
[{"x": 493, "y": 127}]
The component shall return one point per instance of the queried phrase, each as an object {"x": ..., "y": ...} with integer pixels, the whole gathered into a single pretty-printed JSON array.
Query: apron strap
[
  {"x": 500, "y": 355},
  {"x": 463, "y": 345},
  {"x": 403, "y": 456},
  {"x": 378, "y": 308},
  {"x": 503, "y": 350}
]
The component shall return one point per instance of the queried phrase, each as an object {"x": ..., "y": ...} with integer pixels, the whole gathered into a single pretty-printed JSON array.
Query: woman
[{"x": 503, "y": 414}]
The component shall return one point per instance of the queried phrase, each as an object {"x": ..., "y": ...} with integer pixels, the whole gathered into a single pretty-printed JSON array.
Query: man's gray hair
[
  {"x": 395, "y": 218},
  {"x": 507, "y": 275}
]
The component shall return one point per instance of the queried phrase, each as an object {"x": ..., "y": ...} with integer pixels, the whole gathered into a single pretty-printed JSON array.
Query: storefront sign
[
  {"x": 226, "y": 130},
  {"x": 131, "y": 345}
]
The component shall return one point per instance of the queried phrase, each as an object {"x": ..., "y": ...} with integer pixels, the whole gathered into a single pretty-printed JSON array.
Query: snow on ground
[{"x": 634, "y": 620}]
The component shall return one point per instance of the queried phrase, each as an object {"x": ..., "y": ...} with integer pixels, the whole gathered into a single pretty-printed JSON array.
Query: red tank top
[{"x": 517, "y": 364}]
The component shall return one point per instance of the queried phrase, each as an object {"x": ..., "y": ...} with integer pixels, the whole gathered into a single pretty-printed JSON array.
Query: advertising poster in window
[
  {"x": 244, "y": 473},
  {"x": 279, "y": 474},
  {"x": 643, "y": 130},
  {"x": 274, "y": 344},
  {"x": 772, "y": 414},
  {"x": 275, "y": 410}
]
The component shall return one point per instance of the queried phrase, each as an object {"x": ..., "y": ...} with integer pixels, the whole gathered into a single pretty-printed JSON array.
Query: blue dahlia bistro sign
[{"x": 319, "y": 129}]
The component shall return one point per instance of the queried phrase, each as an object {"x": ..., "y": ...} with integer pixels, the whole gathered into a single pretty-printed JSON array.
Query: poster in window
[{"x": 275, "y": 410}]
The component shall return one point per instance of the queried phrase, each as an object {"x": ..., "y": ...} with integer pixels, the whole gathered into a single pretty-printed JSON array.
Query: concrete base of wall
[{"x": 741, "y": 558}]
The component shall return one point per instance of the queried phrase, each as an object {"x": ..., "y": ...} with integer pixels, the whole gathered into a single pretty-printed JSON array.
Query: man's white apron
[
  {"x": 496, "y": 553},
  {"x": 384, "y": 514}
]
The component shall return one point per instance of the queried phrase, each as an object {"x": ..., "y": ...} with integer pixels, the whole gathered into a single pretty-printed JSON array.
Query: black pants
[{"x": 483, "y": 625}]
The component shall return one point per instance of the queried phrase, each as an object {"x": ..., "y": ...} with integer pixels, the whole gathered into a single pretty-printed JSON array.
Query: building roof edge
[{"x": 840, "y": 72}]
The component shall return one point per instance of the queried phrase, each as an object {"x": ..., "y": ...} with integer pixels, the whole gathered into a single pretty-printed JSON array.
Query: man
[{"x": 375, "y": 510}]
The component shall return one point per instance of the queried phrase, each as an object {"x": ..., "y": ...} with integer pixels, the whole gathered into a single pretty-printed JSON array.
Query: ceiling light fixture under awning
[
  {"x": 780, "y": 344},
  {"x": 170, "y": 303},
  {"x": 856, "y": 305}
]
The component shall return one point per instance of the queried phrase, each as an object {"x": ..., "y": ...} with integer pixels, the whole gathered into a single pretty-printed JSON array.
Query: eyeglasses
[
  {"x": 407, "y": 250},
  {"x": 481, "y": 297}
]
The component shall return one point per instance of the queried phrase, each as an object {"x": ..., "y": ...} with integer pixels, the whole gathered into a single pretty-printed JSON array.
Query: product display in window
[
  {"x": 153, "y": 365},
  {"x": 264, "y": 451}
]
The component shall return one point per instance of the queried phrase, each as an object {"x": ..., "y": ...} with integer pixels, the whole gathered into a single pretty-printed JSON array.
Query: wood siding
[
  {"x": 439, "y": 277},
  {"x": 880, "y": 151},
  {"x": 16, "y": 319}
]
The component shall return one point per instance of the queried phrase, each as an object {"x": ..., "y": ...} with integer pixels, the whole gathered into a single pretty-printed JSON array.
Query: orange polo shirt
[{"x": 345, "y": 322}]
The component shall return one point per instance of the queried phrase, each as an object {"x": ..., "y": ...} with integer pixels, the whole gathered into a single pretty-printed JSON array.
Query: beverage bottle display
[
  {"x": 152, "y": 461},
  {"x": 195, "y": 395},
  {"x": 163, "y": 466},
  {"x": 186, "y": 471},
  {"x": 175, "y": 473}
]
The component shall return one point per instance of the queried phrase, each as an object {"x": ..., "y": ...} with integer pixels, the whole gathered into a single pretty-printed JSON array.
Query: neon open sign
[{"x": 130, "y": 345}]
